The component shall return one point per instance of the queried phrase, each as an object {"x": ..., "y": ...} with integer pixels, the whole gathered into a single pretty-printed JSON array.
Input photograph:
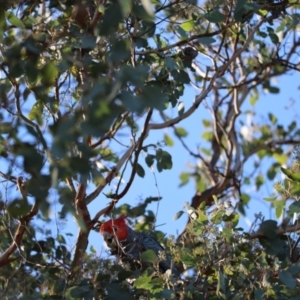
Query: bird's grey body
[{"x": 129, "y": 250}]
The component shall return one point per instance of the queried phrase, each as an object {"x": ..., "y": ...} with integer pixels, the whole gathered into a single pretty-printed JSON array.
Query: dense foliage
[{"x": 83, "y": 84}]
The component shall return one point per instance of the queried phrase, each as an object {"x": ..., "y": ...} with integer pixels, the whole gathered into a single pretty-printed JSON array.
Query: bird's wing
[{"x": 150, "y": 243}]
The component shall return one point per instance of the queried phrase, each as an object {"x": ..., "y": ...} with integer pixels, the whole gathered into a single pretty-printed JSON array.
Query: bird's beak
[{"x": 109, "y": 240}]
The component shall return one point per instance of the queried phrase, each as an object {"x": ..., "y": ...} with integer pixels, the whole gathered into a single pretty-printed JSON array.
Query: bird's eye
[
  {"x": 115, "y": 228},
  {"x": 109, "y": 240}
]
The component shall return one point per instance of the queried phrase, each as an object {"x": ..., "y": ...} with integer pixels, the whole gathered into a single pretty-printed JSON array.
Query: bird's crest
[{"x": 117, "y": 227}]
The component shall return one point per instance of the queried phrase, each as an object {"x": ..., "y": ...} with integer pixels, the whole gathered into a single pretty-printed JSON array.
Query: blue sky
[{"x": 168, "y": 181}]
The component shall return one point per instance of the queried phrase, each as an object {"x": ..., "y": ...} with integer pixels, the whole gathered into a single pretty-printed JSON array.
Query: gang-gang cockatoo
[{"x": 127, "y": 245}]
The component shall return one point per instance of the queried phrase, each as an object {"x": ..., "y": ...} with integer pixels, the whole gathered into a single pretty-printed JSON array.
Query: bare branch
[
  {"x": 139, "y": 146},
  {"x": 84, "y": 220},
  {"x": 112, "y": 132},
  {"x": 23, "y": 222},
  {"x": 110, "y": 176}
]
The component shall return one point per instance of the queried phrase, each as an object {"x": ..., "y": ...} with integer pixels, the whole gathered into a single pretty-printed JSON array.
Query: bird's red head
[{"x": 115, "y": 227}]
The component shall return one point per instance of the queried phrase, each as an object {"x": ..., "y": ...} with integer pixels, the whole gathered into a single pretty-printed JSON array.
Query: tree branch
[
  {"x": 84, "y": 221},
  {"x": 279, "y": 231},
  {"x": 23, "y": 222}
]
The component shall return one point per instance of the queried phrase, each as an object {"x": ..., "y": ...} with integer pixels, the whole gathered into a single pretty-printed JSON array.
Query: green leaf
[
  {"x": 153, "y": 97},
  {"x": 61, "y": 239},
  {"x": 178, "y": 215},
  {"x": 119, "y": 51},
  {"x": 207, "y": 135},
  {"x": 279, "y": 207},
  {"x": 147, "y": 6},
  {"x": 206, "y": 123},
  {"x": 269, "y": 228},
  {"x": 271, "y": 199},
  {"x": 217, "y": 216},
  {"x": 168, "y": 140},
  {"x": 188, "y": 25},
  {"x": 272, "y": 246},
  {"x": 280, "y": 158},
  {"x": 181, "y": 132},
  {"x": 273, "y": 89},
  {"x": 170, "y": 63},
  {"x": 88, "y": 42},
  {"x": 149, "y": 160},
  {"x": 253, "y": 97},
  {"x": 140, "y": 171},
  {"x": 180, "y": 76},
  {"x": 240, "y": 5},
  {"x": 164, "y": 160},
  {"x": 125, "y": 7},
  {"x": 202, "y": 217},
  {"x": 294, "y": 208},
  {"x": 188, "y": 259},
  {"x": 259, "y": 294},
  {"x": 222, "y": 282},
  {"x": 18, "y": 208},
  {"x": 36, "y": 113},
  {"x": 149, "y": 256},
  {"x": 227, "y": 234},
  {"x": 77, "y": 292},
  {"x": 292, "y": 126},
  {"x": 143, "y": 282},
  {"x": 49, "y": 74},
  {"x": 272, "y": 118},
  {"x": 15, "y": 21},
  {"x": 184, "y": 178},
  {"x": 114, "y": 291},
  {"x": 132, "y": 102},
  {"x": 287, "y": 278},
  {"x": 206, "y": 40},
  {"x": 259, "y": 181},
  {"x": 214, "y": 16},
  {"x": 31, "y": 73},
  {"x": 5, "y": 127},
  {"x": 101, "y": 8},
  {"x": 274, "y": 38},
  {"x": 291, "y": 175},
  {"x": 272, "y": 172}
]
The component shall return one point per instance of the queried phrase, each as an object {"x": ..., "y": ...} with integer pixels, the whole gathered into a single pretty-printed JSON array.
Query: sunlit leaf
[
  {"x": 49, "y": 74},
  {"x": 291, "y": 175},
  {"x": 181, "y": 132},
  {"x": 149, "y": 256},
  {"x": 14, "y": 20},
  {"x": 168, "y": 140},
  {"x": 188, "y": 25}
]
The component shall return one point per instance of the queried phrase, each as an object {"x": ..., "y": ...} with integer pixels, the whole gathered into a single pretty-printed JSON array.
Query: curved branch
[
  {"x": 5, "y": 257},
  {"x": 84, "y": 220},
  {"x": 110, "y": 176},
  {"x": 269, "y": 145},
  {"x": 139, "y": 146},
  {"x": 27, "y": 121}
]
